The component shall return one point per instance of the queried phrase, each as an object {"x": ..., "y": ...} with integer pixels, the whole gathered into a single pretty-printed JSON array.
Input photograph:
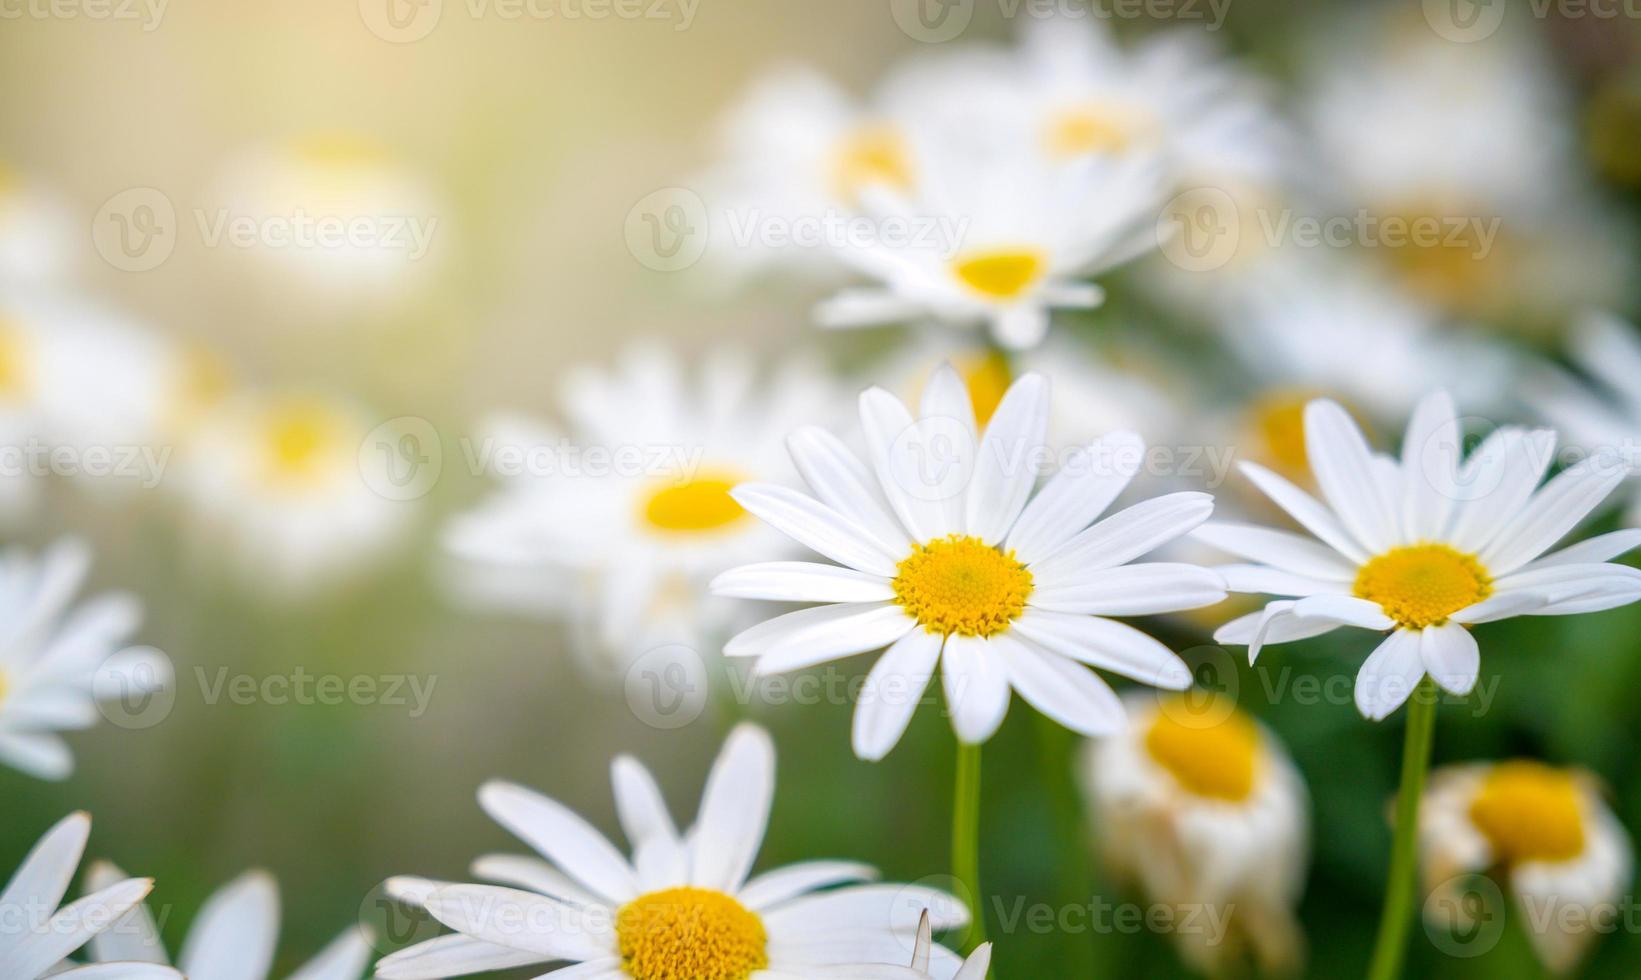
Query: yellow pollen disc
[
  {"x": 1003, "y": 274},
  {"x": 697, "y": 505},
  {"x": 962, "y": 585},
  {"x": 1218, "y": 760},
  {"x": 301, "y": 439},
  {"x": 987, "y": 376},
  {"x": 1446, "y": 260},
  {"x": 1530, "y": 811},
  {"x": 690, "y": 934},
  {"x": 14, "y": 374},
  {"x": 1097, "y": 127},
  {"x": 872, "y": 156},
  {"x": 1421, "y": 585}
]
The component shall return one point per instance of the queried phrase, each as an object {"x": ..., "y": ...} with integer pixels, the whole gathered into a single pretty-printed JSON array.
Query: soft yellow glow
[
  {"x": 1530, "y": 812},
  {"x": 1421, "y": 585},
  {"x": 690, "y": 934},
  {"x": 302, "y": 441},
  {"x": 1445, "y": 254},
  {"x": 1277, "y": 419},
  {"x": 871, "y": 156},
  {"x": 987, "y": 376},
  {"x": 1096, "y": 127},
  {"x": 1218, "y": 760},
  {"x": 698, "y": 505},
  {"x": 962, "y": 585},
  {"x": 10, "y": 181},
  {"x": 1000, "y": 274},
  {"x": 340, "y": 151},
  {"x": 15, "y": 382}
]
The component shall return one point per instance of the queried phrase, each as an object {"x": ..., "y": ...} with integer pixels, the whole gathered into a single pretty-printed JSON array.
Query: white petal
[
  {"x": 1069, "y": 693},
  {"x": 1601, "y": 548},
  {"x": 1006, "y": 468},
  {"x": 734, "y": 811},
  {"x": 1496, "y": 481},
  {"x": 1345, "y": 610},
  {"x": 1389, "y": 675},
  {"x": 1279, "y": 549},
  {"x": 1552, "y": 512},
  {"x": 1135, "y": 590},
  {"x": 760, "y": 639},
  {"x": 842, "y": 482},
  {"x": 1274, "y": 581},
  {"x": 523, "y": 921},
  {"x": 923, "y": 465},
  {"x": 452, "y": 956},
  {"x": 801, "y": 581},
  {"x": 893, "y": 690},
  {"x": 45, "y": 874},
  {"x": 344, "y": 959},
  {"x": 870, "y": 627},
  {"x": 947, "y": 397},
  {"x": 783, "y": 884},
  {"x": 1076, "y": 496},
  {"x": 1312, "y": 514},
  {"x": 1109, "y": 645},
  {"x": 1502, "y": 605},
  {"x": 977, "y": 687},
  {"x": 1451, "y": 657},
  {"x": 1343, "y": 464},
  {"x": 1127, "y": 534},
  {"x": 1430, "y": 466},
  {"x": 639, "y": 804},
  {"x": 562, "y": 837},
  {"x": 1276, "y": 623},
  {"x": 815, "y": 526},
  {"x": 233, "y": 936},
  {"x": 72, "y": 927},
  {"x": 1021, "y": 326}
]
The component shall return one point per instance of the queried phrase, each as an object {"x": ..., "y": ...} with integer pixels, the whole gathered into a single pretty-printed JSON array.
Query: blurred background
[{"x": 523, "y": 144}]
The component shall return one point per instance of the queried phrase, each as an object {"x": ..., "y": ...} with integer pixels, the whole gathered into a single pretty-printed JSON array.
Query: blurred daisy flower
[
  {"x": 233, "y": 937},
  {"x": 284, "y": 490},
  {"x": 1547, "y": 834},
  {"x": 36, "y": 935},
  {"x": 944, "y": 556},
  {"x": 1604, "y": 417},
  {"x": 625, "y": 517},
  {"x": 37, "y": 231},
  {"x": 996, "y": 237},
  {"x": 1201, "y": 806},
  {"x": 1424, "y": 547},
  {"x": 59, "y": 661},
  {"x": 337, "y": 217},
  {"x": 686, "y": 907},
  {"x": 1488, "y": 169}
]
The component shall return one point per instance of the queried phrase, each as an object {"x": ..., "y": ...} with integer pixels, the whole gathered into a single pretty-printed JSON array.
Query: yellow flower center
[
  {"x": 1217, "y": 759},
  {"x": 14, "y": 373},
  {"x": 1421, "y": 585},
  {"x": 301, "y": 440},
  {"x": 690, "y": 934},
  {"x": 1454, "y": 262},
  {"x": 1529, "y": 811},
  {"x": 1096, "y": 127},
  {"x": 694, "y": 506},
  {"x": 1000, "y": 274},
  {"x": 987, "y": 377},
  {"x": 871, "y": 156},
  {"x": 962, "y": 585}
]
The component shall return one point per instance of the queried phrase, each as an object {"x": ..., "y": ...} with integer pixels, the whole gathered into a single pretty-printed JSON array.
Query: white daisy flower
[
  {"x": 233, "y": 938},
  {"x": 36, "y": 935},
  {"x": 628, "y": 515},
  {"x": 284, "y": 490},
  {"x": 685, "y": 908},
  {"x": 1423, "y": 547},
  {"x": 944, "y": 556},
  {"x": 1201, "y": 807},
  {"x": 798, "y": 147},
  {"x": 57, "y": 662},
  {"x": 1550, "y": 836},
  {"x": 37, "y": 231},
  {"x": 1000, "y": 237},
  {"x": 973, "y": 968},
  {"x": 1606, "y": 418}
]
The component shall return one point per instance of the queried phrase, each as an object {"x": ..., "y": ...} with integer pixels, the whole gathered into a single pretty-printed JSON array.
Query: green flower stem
[
  {"x": 1402, "y": 888},
  {"x": 966, "y": 839}
]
